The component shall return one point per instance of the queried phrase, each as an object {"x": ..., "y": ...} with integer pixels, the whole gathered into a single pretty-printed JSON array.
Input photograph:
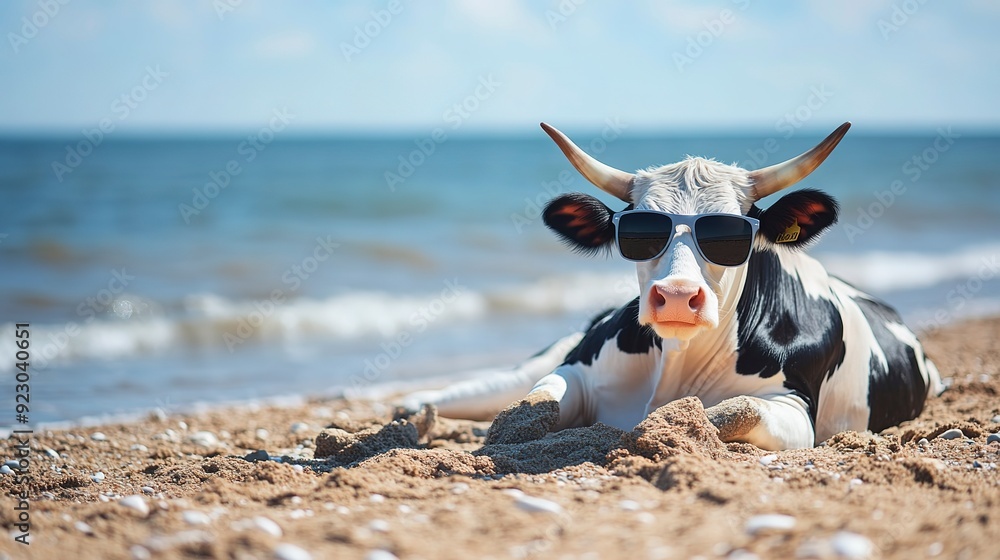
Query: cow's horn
[
  {"x": 610, "y": 180},
  {"x": 770, "y": 180}
]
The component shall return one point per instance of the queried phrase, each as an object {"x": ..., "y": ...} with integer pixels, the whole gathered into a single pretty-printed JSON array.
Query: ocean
[{"x": 165, "y": 273}]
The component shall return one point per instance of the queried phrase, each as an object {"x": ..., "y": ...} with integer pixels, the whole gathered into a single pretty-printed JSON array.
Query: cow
[{"x": 730, "y": 310}]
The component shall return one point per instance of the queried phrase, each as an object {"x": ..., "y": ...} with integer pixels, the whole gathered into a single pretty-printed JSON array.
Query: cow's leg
[
  {"x": 774, "y": 422},
  {"x": 556, "y": 402},
  {"x": 481, "y": 398},
  {"x": 565, "y": 386}
]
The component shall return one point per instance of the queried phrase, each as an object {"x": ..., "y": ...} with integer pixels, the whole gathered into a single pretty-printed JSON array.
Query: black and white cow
[{"x": 782, "y": 354}]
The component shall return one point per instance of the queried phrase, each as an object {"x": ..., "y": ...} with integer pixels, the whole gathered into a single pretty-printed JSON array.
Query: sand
[{"x": 358, "y": 480}]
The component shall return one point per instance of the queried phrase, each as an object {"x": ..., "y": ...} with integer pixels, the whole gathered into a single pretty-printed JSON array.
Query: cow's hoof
[
  {"x": 526, "y": 420},
  {"x": 735, "y": 418}
]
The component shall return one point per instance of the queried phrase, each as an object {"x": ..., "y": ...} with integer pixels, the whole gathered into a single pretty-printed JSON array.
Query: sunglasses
[{"x": 723, "y": 239}]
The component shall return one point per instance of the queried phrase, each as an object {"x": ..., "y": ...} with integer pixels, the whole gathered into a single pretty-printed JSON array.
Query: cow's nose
[{"x": 677, "y": 302}]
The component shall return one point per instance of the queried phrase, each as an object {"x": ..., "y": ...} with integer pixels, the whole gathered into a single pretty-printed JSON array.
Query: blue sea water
[{"x": 164, "y": 272}]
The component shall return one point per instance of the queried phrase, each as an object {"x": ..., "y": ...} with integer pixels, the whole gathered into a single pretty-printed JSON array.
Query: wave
[
  {"x": 213, "y": 322},
  {"x": 885, "y": 271},
  {"x": 207, "y": 321}
]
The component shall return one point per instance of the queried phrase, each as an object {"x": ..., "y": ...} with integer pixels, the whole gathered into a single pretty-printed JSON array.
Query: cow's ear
[
  {"x": 798, "y": 218},
  {"x": 582, "y": 221}
]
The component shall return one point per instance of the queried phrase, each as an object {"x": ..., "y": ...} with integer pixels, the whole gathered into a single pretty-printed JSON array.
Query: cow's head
[{"x": 681, "y": 293}]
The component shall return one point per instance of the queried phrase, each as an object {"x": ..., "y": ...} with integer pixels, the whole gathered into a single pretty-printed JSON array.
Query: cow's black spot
[
  {"x": 896, "y": 393},
  {"x": 875, "y": 367},
  {"x": 784, "y": 330},
  {"x": 781, "y": 328},
  {"x": 632, "y": 338}
]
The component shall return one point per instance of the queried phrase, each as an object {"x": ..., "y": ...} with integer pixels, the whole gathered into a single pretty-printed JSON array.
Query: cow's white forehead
[{"x": 693, "y": 186}]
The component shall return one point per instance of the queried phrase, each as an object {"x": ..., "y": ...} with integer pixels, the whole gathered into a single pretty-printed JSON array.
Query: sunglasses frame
[{"x": 689, "y": 220}]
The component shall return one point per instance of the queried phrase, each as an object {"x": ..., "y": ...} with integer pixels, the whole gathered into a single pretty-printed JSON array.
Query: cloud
[
  {"x": 683, "y": 18},
  {"x": 175, "y": 15},
  {"x": 507, "y": 17},
  {"x": 291, "y": 44},
  {"x": 680, "y": 18},
  {"x": 989, "y": 8},
  {"x": 853, "y": 16}
]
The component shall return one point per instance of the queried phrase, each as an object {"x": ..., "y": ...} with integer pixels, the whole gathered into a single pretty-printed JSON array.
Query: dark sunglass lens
[
  {"x": 642, "y": 235},
  {"x": 724, "y": 240}
]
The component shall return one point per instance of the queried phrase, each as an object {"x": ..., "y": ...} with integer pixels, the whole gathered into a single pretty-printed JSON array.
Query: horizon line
[{"x": 411, "y": 133}]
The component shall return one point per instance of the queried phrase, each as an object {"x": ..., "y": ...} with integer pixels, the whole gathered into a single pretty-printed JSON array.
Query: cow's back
[
  {"x": 899, "y": 375},
  {"x": 847, "y": 355}
]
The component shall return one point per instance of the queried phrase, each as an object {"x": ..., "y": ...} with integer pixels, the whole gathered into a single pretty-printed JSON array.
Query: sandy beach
[{"x": 340, "y": 479}]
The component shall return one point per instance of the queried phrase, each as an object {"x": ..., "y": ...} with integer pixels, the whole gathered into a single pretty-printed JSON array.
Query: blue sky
[{"x": 662, "y": 66}]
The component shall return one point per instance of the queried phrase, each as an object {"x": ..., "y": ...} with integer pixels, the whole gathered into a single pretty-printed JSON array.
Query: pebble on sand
[
  {"x": 204, "y": 439},
  {"x": 259, "y": 455},
  {"x": 629, "y": 505},
  {"x": 291, "y": 552},
  {"x": 299, "y": 427},
  {"x": 993, "y": 438},
  {"x": 767, "y": 459},
  {"x": 769, "y": 522},
  {"x": 97, "y": 476},
  {"x": 851, "y": 545},
  {"x": 266, "y": 525},
  {"x": 953, "y": 433},
  {"x": 532, "y": 504},
  {"x": 98, "y": 436},
  {"x": 5, "y": 469},
  {"x": 136, "y": 503},
  {"x": 193, "y": 517},
  {"x": 381, "y": 555}
]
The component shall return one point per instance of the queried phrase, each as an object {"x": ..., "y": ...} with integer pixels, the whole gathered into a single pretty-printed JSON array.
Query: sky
[{"x": 399, "y": 66}]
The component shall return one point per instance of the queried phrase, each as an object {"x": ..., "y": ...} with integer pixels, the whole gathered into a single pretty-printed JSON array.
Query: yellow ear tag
[{"x": 791, "y": 234}]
